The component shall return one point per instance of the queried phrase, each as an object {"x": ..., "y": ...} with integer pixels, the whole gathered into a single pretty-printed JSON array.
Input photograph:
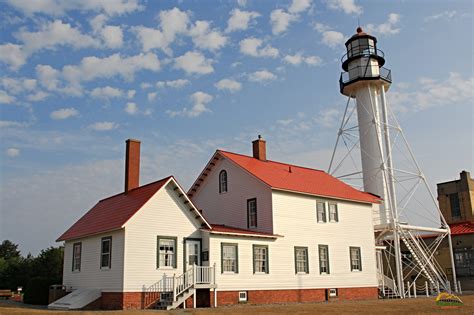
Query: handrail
[
  {"x": 184, "y": 282},
  {"x": 349, "y": 77},
  {"x": 153, "y": 292}
]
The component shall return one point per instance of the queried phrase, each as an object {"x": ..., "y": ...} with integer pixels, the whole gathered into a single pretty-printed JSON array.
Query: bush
[{"x": 37, "y": 291}]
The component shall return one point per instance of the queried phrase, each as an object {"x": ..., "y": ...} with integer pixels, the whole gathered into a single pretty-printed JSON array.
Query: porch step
[
  {"x": 388, "y": 294},
  {"x": 181, "y": 299}
]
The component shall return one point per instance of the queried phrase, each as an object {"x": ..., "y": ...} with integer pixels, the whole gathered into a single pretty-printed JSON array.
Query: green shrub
[{"x": 37, "y": 291}]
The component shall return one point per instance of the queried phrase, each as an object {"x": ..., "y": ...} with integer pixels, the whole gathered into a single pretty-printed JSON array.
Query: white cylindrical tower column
[{"x": 363, "y": 80}]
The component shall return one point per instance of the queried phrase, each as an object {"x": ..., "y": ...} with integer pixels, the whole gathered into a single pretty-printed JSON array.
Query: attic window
[{"x": 223, "y": 182}]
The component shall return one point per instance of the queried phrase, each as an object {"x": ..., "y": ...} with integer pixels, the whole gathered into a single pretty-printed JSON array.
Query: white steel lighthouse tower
[{"x": 406, "y": 263}]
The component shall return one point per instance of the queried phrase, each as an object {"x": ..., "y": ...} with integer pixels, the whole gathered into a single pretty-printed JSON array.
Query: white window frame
[
  {"x": 252, "y": 216},
  {"x": 227, "y": 259},
  {"x": 169, "y": 258},
  {"x": 356, "y": 260},
  {"x": 223, "y": 187},
  {"x": 301, "y": 261},
  {"x": 243, "y": 296},
  {"x": 258, "y": 258},
  {"x": 321, "y": 215},
  {"x": 333, "y": 215},
  {"x": 76, "y": 257},
  {"x": 324, "y": 259},
  {"x": 106, "y": 254}
]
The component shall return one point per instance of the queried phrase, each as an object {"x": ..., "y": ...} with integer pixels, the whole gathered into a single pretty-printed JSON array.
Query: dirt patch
[{"x": 407, "y": 306}]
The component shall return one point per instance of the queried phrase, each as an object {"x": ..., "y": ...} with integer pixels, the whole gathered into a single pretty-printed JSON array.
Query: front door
[{"x": 193, "y": 253}]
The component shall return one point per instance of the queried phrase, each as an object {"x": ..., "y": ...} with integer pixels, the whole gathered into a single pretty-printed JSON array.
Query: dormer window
[{"x": 222, "y": 182}]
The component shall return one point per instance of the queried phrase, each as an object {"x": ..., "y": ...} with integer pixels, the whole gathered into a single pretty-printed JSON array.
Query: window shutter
[
  {"x": 268, "y": 260},
  {"x": 360, "y": 259},
  {"x": 327, "y": 254},
  {"x": 222, "y": 258},
  {"x": 157, "y": 252},
  {"x": 175, "y": 256},
  {"x": 296, "y": 264},
  {"x": 253, "y": 255},
  {"x": 307, "y": 260}
]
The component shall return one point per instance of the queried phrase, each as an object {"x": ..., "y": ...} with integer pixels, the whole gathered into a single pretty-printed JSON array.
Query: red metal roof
[
  {"x": 299, "y": 179},
  {"x": 462, "y": 228},
  {"x": 221, "y": 228},
  {"x": 113, "y": 212}
]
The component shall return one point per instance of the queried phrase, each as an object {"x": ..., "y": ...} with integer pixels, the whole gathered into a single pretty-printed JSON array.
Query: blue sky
[{"x": 77, "y": 78}]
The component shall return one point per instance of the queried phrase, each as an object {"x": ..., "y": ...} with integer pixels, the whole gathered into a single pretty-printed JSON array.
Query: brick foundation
[{"x": 133, "y": 300}]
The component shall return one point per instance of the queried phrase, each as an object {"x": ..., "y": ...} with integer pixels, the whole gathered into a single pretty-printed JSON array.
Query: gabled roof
[
  {"x": 293, "y": 178},
  {"x": 113, "y": 213},
  {"x": 229, "y": 230}
]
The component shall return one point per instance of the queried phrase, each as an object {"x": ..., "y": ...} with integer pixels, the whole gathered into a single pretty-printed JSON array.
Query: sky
[{"x": 77, "y": 78}]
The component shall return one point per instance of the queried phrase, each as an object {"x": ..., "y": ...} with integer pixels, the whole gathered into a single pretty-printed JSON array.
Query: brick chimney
[
  {"x": 132, "y": 164},
  {"x": 259, "y": 147}
]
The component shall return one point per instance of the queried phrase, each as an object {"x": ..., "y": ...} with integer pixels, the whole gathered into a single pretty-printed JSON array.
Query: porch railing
[{"x": 177, "y": 285}]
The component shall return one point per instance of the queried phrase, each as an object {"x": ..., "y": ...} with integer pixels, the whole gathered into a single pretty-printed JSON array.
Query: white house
[{"x": 249, "y": 230}]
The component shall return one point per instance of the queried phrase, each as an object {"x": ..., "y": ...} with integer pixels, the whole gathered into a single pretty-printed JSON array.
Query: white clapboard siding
[
  {"x": 165, "y": 215},
  {"x": 294, "y": 217},
  {"x": 91, "y": 275},
  {"x": 230, "y": 208}
]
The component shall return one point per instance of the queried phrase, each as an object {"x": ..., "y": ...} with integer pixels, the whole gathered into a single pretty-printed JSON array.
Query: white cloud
[
  {"x": 298, "y": 59},
  {"x": 348, "y": 6},
  {"x": 131, "y": 94},
  {"x": 240, "y": 20},
  {"x": 445, "y": 15},
  {"x": 330, "y": 38},
  {"x": 60, "y": 7},
  {"x": 172, "y": 23},
  {"x": 281, "y": 20},
  {"x": 194, "y": 62},
  {"x": 453, "y": 90},
  {"x": 152, "y": 96},
  {"x": 106, "y": 92},
  {"x": 104, "y": 126},
  {"x": 64, "y": 113},
  {"x": 199, "y": 100},
  {"x": 54, "y": 34},
  {"x": 12, "y": 124},
  {"x": 176, "y": 84},
  {"x": 112, "y": 36},
  {"x": 387, "y": 28},
  {"x": 298, "y": 6},
  {"x": 5, "y": 98},
  {"x": 13, "y": 55},
  {"x": 48, "y": 76},
  {"x": 252, "y": 46},
  {"x": 229, "y": 85},
  {"x": 16, "y": 86},
  {"x": 145, "y": 85},
  {"x": 131, "y": 108},
  {"x": 242, "y": 3},
  {"x": 93, "y": 67},
  {"x": 328, "y": 117},
  {"x": 206, "y": 38},
  {"x": 12, "y": 152},
  {"x": 262, "y": 76},
  {"x": 37, "y": 97}
]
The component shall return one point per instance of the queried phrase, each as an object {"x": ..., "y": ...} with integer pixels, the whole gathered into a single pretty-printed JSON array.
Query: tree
[{"x": 9, "y": 250}]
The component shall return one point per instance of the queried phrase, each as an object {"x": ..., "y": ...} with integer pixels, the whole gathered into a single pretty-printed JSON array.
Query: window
[
  {"x": 321, "y": 211},
  {"x": 252, "y": 213},
  {"x": 301, "y": 260},
  {"x": 243, "y": 296},
  {"x": 323, "y": 259},
  {"x": 222, "y": 182},
  {"x": 333, "y": 292},
  {"x": 356, "y": 263},
  {"x": 455, "y": 206},
  {"x": 166, "y": 256},
  {"x": 333, "y": 215},
  {"x": 260, "y": 259},
  {"x": 229, "y": 254},
  {"x": 76, "y": 256},
  {"x": 106, "y": 253}
]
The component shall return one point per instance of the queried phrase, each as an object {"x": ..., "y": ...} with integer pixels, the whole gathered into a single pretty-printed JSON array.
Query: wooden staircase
[{"x": 171, "y": 292}]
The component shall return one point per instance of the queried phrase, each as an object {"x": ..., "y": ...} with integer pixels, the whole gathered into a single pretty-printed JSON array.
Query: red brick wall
[
  {"x": 292, "y": 296},
  {"x": 121, "y": 300}
]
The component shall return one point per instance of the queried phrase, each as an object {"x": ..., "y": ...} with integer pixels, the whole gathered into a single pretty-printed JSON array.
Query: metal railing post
[
  {"x": 414, "y": 289},
  {"x": 427, "y": 291},
  {"x": 408, "y": 287},
  {"x": 194, "y": 274},
  {"x": 459, "y": 287}
]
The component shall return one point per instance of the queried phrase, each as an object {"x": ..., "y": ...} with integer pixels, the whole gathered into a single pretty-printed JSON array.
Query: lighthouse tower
[{"x": 366, "y": 80}]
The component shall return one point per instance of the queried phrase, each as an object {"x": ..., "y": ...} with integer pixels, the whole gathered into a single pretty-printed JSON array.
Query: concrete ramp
[{"x": 75, "y": 300}]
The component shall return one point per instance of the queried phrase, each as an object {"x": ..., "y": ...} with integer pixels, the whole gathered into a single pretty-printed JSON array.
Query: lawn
[{"x": 407, "y": 306}]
